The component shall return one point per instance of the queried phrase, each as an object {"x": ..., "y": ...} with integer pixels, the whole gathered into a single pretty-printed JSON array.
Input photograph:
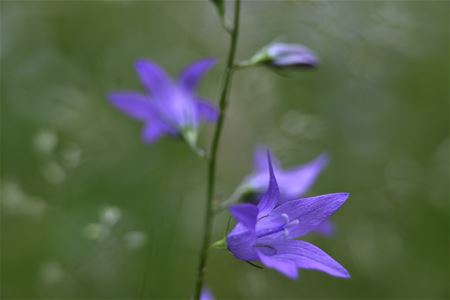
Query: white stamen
[
  {"x": 294, "y": 222},
  {"x": 285, "y": 217}
]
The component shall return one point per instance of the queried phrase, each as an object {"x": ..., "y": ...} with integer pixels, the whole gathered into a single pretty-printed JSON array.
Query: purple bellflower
[
  {"x": 293, "y": 182},
  {"x": 291, "y": 55},
  {"x": 281, "y": 56},
  {"x": 206, "y": 294},
  {"x": 267, "y": 232},
  {"x": 168, "y": 107}
]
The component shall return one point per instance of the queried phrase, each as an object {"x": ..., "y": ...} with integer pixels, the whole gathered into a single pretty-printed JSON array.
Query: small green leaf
[{"x": 220, "y": 244}]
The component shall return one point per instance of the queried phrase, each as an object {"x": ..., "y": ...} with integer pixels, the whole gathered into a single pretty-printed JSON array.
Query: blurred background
[{"x": 90, "y": 212}]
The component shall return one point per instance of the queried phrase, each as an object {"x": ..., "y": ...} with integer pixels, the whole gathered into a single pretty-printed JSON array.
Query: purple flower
[
  {"x": 266, "y": 232},
  {"x": 167, "y": 107},
  {"x": 206, "y": 294},
  {"x": 293, "y": 182},
  {"x": 291, "y": 55},
  {"x": 280, "y": 55}
]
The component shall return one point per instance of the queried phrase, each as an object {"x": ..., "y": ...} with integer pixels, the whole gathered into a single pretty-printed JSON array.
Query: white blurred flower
[
  {"x": 45, "y": 141},
  {"x": 135, "y": 239},
  {"x": 96, "y": 231},
  {"x": 71, "y": 156},
  {"x": 51, "y": 272},
  {"x": 15, "y": 201},
  {"x": 110, "y": 215}
]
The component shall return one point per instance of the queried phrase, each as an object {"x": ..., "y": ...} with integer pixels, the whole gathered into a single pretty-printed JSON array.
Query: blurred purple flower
[
  {"x": 168, "y": 107},
  {"x": 291, "y": 55},
  {"x": 266, "y": 232},
  {"x": 280, "y": 55},
  {"x": 293, "y": 182},
  {"x": 206, "y": 294}
]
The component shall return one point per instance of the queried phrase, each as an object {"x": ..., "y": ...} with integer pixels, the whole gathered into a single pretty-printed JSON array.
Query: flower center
[{"x": 282, "y": 226}]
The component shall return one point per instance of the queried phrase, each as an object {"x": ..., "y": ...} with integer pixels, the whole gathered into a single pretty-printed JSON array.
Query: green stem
[{"x": 211, "y": 175}]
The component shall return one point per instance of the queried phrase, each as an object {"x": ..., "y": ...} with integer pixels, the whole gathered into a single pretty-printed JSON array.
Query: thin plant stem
[{"x": 211, "y": 173}]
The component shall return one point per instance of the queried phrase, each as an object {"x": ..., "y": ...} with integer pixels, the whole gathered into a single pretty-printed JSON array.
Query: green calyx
[
  {"x": 190, "y": 135},
  {"x": 259, "y": 58},
  {"x": 220, "y": 244}
]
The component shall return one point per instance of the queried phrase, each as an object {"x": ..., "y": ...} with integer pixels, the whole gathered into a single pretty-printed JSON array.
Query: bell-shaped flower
[
  {"x": 167, "y": 107},
  {"x": 293, "y": 182},
  {"x": 267, "y": 232},
  {"x": 291, "y": 55},
  {"x": 283, "y": 56}
]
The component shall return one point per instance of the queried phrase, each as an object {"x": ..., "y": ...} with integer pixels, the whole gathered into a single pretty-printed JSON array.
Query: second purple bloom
[{"x": 168, "y": 107}]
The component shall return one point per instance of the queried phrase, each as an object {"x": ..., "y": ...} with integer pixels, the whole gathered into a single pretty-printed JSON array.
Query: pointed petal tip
[
  {"x": 147, "y": 65},
  {"x": 141, "y": 61},
  {"x": 272, "y": 178},
  {"x": 292, "y": 276},
  {"x": 344, "y": 195},
  {"x": 210, "y": 61},
  {"x": 269, "y": 160},
  {"x": 113, "y": 96},
  {"x": 204, "y": 64},
  {"x": 343, "y": 273},
  {"x": 339, "y": 197},
  {"x": 347, "y": 275},
  {"x": 324, "y": 158},
  {"x": 192, "y": 74},
  {"x": 110, "y": 96}
]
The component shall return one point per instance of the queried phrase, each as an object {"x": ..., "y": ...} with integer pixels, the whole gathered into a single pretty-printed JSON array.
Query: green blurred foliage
[{"x": 89, "y": 212}]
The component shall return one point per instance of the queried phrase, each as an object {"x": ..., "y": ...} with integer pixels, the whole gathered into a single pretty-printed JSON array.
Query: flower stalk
[{"x": 211, "y": 172}]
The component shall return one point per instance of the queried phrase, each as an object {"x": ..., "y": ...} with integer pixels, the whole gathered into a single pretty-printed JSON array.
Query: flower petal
[
  {"x": 258, "y": 182},
  {"x": 291, "y": 55},
  {"x": 240, "y": 242},
  {"x": 296, "y": 182},
  {"x": 299, "y": 60},
  {"x": 307, "y": 256},
  {"x": 192, "y": 74},
  {"x": 154, "y": 79},
  {"x": 245, "y": 214},
  {"x": 310, "y": 212},
  {"x": 283, "y": 265},
  {"x": 260, "y": 160},
  {"x": 270, "y": 224},
  {"x": 326, "y": 228},
  {"x": 269, "y": 199},
  {"x": 207, "y": 111},
  {"x": 155, "y": 129},
  {"x": 206, "y": 294},
  {"x": 133, "y": 104}
]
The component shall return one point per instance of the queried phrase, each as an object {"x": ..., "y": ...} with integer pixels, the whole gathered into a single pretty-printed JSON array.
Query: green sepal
[
  {"x": 220, "y": 244},
  {"x": 190, "y": 135},
  {"x": 259, "y": 58}
]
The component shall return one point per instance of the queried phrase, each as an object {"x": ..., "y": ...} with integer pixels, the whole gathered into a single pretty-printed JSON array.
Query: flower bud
[{"x": 281, "y": 55}]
